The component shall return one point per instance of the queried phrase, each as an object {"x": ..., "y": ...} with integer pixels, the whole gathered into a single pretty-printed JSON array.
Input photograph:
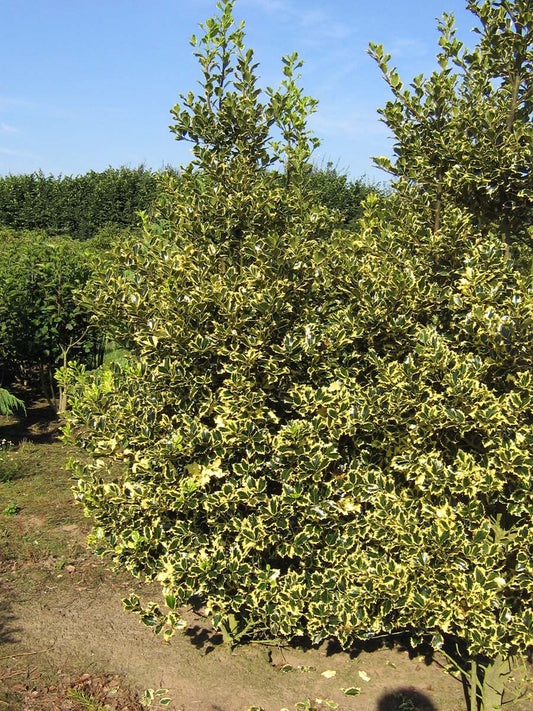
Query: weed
[
  {"x": 12, "y": 509},
  {"x": 306, "y": 705},
  {"x": 406, "y": 704},
  {"x": 9, "y": 468},
  {"x": 86, "y": 700}
]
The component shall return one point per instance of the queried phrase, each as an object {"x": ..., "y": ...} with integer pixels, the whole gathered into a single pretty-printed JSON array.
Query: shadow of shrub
[{"x": 405, "y": 699}]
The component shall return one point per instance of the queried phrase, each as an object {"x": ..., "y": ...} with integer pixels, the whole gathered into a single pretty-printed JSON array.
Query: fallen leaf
[
  {"x": 364, "y": 676},
  {"x": 329, "y": 673},
  {"x": 351, "y": 691}
]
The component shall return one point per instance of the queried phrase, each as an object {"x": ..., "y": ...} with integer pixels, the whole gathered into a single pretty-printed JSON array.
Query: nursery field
[
  {"x": 66, "y": 643},
  {"x": 314, "y": 416}
]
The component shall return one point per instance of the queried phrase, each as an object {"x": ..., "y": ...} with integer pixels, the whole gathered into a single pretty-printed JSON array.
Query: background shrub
[
  {"x": 42, "y": 325},
  {"x": 79, "y": 206}
]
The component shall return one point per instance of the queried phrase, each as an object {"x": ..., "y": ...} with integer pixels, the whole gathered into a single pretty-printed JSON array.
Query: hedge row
[{"x": 81, "y": 206}]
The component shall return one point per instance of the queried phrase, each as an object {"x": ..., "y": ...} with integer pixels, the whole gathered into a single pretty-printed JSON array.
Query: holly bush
[
  {"x": 463, "y": 136},
  {"x": 318, "y": 433}
]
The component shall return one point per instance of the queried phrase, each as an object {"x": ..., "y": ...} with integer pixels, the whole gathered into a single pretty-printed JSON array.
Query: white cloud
[
  {"x": 6, "y": 128},
  {"x": 18, "y": 154},
  {"x": 316, "y": 25},
  {"x": 348, "y": 124},
  {"x": 321, "y": 26},
  {"x": 10, "y": 102},
  {"x": 407, "y": 48},
  {"x": 271, "y": 6}
]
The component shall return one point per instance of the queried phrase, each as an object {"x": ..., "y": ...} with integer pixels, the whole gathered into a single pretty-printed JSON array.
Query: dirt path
[{"x": 70, "y": 631}]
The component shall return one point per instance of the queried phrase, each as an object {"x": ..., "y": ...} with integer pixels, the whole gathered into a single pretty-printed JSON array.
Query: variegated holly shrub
[{"x": 317, "y": 433}]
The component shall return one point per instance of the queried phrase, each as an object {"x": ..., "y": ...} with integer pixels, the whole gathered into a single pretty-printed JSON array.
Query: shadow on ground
[
  {"x": 406, "y": 699},
  {"x": 9, "y": 633},
  {"x": 205, "y": 639},
  {"x": 40, "y": 423}
]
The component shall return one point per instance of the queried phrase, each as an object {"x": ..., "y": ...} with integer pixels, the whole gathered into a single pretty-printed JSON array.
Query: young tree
[
  {"x": 220, "y": 303},
  {"x": 448, "y": 314}
]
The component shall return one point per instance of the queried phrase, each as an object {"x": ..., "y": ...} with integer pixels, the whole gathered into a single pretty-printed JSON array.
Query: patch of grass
[
  {"x": 36, "y": 502},
  {"x": 9, "y": 465},
  {"x": 10, "y": 700},
  {"x": 44, "y": 546},
  {"x": 102, "y": 693}
]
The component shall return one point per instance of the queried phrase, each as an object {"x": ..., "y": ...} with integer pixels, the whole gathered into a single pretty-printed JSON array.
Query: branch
[{"x": 26, "y": 654}]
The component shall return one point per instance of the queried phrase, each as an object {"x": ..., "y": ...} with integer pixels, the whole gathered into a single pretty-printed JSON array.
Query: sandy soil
[{"x": 75, "y": 625}]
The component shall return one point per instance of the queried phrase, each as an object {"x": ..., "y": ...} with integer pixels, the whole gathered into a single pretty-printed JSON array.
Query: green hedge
[
  {"x": 42, "y": 324},
  {"x": 79, "y": 206}
]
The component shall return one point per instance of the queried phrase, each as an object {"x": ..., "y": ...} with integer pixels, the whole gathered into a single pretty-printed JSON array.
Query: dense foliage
[
  {"x": 9, "y": 403},
  {"x": 335, "y": 191},
  {"x": 79, "y": 206},
  {"x": 464, "y": 136},
  {"x": 319, "y": 432},
  {"x": 86, "y": 205},
  {"x": 42, "y": 325}
]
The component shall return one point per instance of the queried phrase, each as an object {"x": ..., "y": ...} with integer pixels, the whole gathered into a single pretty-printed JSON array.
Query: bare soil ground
[{"x": 66, "y": 642}]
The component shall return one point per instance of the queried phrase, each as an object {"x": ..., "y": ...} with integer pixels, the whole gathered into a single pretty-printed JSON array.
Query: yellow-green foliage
[
  {"x": 463, "y": 136},
  {"x": 321, "y": 434}
]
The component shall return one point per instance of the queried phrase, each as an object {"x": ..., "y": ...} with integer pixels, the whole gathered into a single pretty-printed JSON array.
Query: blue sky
[{"x": 85, "y": 85}]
